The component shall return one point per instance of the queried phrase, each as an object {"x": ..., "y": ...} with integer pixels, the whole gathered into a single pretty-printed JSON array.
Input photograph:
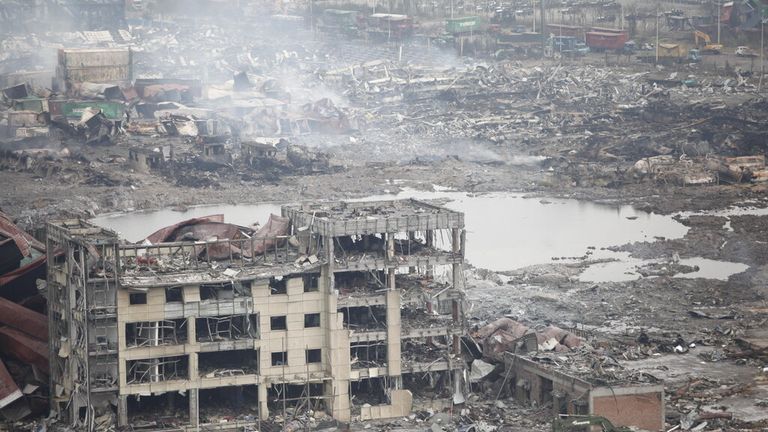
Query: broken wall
[
  {"x": 641, "y": 406},
  {"x": 400, "y": 406}
]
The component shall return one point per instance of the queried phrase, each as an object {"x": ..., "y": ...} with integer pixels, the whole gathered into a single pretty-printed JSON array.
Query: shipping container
[
  {"x": 26, "y": 119},
  {"x": 608, "y": 30},
  {"x": 26, "y": 124},
  {"x": 565, "y": 30},
  {"x": 93, "y": 65},
  {"x": 472, "y": 24},
  {"x": 35, "y": 78},
  {"x": 73, "y": 110},
  {"x": 601, "y": 41},
  {"x": 188, "y": 89},
  {"x": 389, "y": 26},
  {"x": 339, "y": 19},
  {"x": 31, "y": 104}
]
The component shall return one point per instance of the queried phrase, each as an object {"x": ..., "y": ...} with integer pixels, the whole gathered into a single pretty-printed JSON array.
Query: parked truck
[
  {"x": 340, "y": 21},
  {"x": 568, "y": 46},
  {"x": 565, "y": 30},
  {"x": 672, "y": 53},
  {"x": 383, "y": 26}
]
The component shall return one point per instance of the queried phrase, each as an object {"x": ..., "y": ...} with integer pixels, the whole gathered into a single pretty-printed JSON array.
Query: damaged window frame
[
  {"x": 168, "y": 332},
  {"x": 174, "y": 294},
  {"x": 215, "y": 291},
  {"x": 226, "y": 328},
  {"x": 311, "y": 282},
  {"x": 278, "y": 285},
  {"x": 220, "y": 364},
  {"x": 161, "y": 369}
]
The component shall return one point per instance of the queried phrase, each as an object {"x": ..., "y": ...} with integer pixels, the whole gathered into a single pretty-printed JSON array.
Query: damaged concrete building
[
  {"x": 540, "y": 381},
  {"x": 331, "y": 307}
]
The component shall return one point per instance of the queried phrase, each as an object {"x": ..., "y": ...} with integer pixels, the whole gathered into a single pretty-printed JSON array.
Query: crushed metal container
[
  {"x": 74, "y": 109},
  {"x": 95, "y": 65}
]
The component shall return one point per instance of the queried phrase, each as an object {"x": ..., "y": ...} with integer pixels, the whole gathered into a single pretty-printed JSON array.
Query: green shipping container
[
  {"x": 74, "y": 110},
  {"x": 464, "y": 25},
  {"x": 30, "y": 104}
]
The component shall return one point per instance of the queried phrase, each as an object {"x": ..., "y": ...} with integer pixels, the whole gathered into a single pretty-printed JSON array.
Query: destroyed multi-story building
[{"x": 333, "y": 306}]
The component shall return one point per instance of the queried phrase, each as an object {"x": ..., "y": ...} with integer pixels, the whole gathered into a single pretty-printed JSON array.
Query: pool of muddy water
[{"x": 505, "y": 231}]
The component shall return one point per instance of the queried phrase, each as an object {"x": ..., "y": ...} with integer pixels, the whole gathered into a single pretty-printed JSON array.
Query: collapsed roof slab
[
  {"x": 623, "y": 403},
  {"x": 365, "y": 218}
]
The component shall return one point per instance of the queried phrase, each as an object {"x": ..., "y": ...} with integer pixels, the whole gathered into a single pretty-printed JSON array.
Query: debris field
[{"x": 372, "y": 133}]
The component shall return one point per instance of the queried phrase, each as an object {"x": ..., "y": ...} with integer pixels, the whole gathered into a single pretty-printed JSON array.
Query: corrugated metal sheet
[
  {"x": 78, "y": 58},
  {"x": 10, "y": 256},
  {"x": 24, "y": 348},
  {"x": 30, "y": 322},
  {"x": 31, "y": 104},
  {"x": 9, "y": 390},
  {"x": 20, "y": 283}
]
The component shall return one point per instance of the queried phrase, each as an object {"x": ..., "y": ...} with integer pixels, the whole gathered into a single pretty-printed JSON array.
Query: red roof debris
[{"x": 17, "y": 316}]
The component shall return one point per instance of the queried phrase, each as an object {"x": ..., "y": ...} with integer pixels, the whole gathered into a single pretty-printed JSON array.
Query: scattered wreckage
[
  {"x": 23, "y": 326},
  {"x": 611, "y": 126},
  {"x": 204, "y": 128}
]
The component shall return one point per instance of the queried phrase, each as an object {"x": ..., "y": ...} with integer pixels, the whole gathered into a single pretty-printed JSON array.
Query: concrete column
[
  {"x": 429, "y": 312},
  {"x": 456, "y": 272},
  {"x": 122, "y": 410},
  {"x": 193, "y": 372},
  {"x": 393, "y": 327},
  {"x": 191, "y": 331},
  {"x": 430, "y": 238},
  {"x": 455, "y": 241},
  {"x": 390, "y": 246},
  {"x": 411, "y": 239},
  {"x": 329, "y": 253},
  {"x": 331, "y": 315},
  {"x": 455, "y": 313},
  {"x": 336, "y": 350},
  {"x": 263, "y": 407},
  {"x": 338, "y": 390},
  {"x": 536, "y": 394},
  {"x": 194, "y": 407}
]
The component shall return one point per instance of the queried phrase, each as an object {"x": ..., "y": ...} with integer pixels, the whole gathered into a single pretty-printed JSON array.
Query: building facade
[{"x": 341, "y": 313}]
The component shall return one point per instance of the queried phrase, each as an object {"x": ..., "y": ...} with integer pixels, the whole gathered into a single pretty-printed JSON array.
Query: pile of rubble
[
  {"x": 93, "y": 99},
  {"x": 23, "y": 324}
]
